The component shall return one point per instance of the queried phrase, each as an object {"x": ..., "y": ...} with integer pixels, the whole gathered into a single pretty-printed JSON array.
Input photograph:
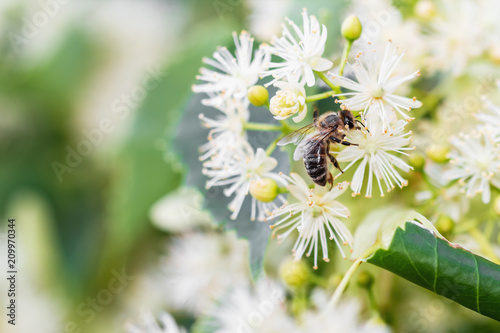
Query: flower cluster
[{"x": 230, "y": 161}]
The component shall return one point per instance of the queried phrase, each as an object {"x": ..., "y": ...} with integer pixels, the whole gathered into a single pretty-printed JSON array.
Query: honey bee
[{"x": 313, "y": 143}]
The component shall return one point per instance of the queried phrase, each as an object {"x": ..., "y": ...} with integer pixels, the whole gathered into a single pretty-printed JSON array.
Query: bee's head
[{"x": 348, "y": 119}]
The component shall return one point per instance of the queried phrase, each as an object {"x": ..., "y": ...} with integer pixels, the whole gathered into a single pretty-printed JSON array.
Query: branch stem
[
  {"x": 345, "y": 54},
  {"x": 317, "y": 97}
]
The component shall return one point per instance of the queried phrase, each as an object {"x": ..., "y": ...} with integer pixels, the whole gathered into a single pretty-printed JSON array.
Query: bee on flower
[{"x": 375, "y": 148}]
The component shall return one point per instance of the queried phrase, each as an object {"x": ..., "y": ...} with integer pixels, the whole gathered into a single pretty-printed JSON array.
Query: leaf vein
[
  {"x": 477, "y": 283},
  {"x": 410, "y": 259},
  {"x": 436, "y": 264}
]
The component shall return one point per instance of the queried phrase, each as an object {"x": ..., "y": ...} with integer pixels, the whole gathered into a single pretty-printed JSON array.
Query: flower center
[
  {"x": 371, "y": 147},
  {"x": 317, "y": 211},
  {"x": 378, "y": 92},
  {"x": 484, "y": 163}
]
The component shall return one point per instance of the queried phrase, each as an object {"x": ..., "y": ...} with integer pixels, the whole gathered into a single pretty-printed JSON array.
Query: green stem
[
  {"x": 345, "y": 54},
  {"x": 282, "y": 190},
  {"x": 323, "y": 77},
  {"x": 336, "y": 89},
  {"x": 272, "y": 145},
  {"x": 285, "y": 128},
  {"x": 262, "y": 127},
  {"x": 372, "y": 301},
  {"x": 348, "y": 275},
  {"x": 317, "y": 97}
]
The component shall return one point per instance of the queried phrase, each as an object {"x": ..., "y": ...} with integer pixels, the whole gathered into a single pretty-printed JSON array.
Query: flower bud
[
  {"x": 264, "y": 190},
  {"x": 425, "y": 9},
  {"x": 294, "y": 273},
  {"x": 351, "y": 28},
  {"x": 444, "y": 224},
  {"x": 258, "y": 95},
  {"x": 365, "y": 280},
  {"x": 438, "y": 152},
  {"x": 496, "y": 205}
]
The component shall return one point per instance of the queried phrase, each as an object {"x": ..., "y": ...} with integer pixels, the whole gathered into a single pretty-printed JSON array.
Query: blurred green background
[{"x": 91, "y": 96}]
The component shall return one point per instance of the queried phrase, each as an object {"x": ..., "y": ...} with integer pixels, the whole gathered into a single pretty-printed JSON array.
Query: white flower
[
  {"x": 476, "y": 163},
  {"x": 261, "y": 310},
  {"x": 376, "y": 85},
  {"x": 301, "y": 57},
  {"x": 490, "y": 118},
  {"x": 239, "y": 172},
  {"x": 231, "y": 77},
  {"x": 148, "y": 324},
  {"x": 201, "y": 267},
  {"x": 450, "y": 201},
  {"x": 345, "y": 318},
  {"x": 179, "y": 211},
  {"x": 289, "y": 100},
  {"x": 226, "y": 136},
  {"x": 313, "y": 215},
  {"x": 457, "y": 36},
  {"x": 374, "y": 149}
]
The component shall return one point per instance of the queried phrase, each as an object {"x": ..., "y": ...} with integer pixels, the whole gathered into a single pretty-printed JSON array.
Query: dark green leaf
[{"x": 417, "y": 255}]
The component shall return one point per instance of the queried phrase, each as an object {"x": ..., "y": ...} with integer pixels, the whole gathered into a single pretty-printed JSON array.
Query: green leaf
[{"x": 449, "y": 270}]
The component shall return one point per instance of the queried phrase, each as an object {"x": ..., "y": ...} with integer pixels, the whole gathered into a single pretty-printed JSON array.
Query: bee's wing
[
  {"x": 298, "y": 136},
  {"x": 310, "y": 142}
]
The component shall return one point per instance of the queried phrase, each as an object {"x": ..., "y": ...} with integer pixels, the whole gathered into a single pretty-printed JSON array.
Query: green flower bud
[
  {"x": 294, "y": 273},
  {"x": 258, "y": 95},
  {"x": 438, "y": 152},
  {"x": 351, "y": 28},
  {"x": 365, "y": 280},
  {"x": 444, "y": 224},
  {"x": 496, "y": 205},
  {"x": 264, "y": 190},
  {"x": 417, "y": 160}
]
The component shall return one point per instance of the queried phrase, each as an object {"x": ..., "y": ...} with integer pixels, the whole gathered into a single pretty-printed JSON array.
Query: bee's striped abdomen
[{"x": 316, "y": 163}]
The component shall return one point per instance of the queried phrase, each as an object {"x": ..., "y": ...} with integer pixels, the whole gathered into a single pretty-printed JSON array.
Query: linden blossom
[
  {"x": 375, "y": 86},
  {"x": 313, "y": 214}
]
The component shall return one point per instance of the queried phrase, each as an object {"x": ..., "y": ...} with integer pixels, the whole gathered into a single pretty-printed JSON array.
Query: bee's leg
[
  {"x": 333, "y": 160},
  {"x": 329, "y": 180},
  {"x": 345, "y": 143},
  {"x": 315, "y": 113}
]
